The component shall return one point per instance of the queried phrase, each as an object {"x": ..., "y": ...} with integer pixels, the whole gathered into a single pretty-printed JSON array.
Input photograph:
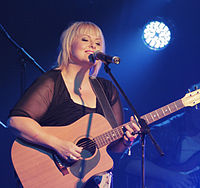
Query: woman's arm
[{"x": 31, "y": 131}]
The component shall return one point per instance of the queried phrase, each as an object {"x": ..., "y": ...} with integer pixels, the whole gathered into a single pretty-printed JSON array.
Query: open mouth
[{"x": 89, "y": 51}]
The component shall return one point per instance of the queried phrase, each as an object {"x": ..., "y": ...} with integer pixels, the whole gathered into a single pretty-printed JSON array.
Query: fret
[
  {"x": 113, "y": 135},
  {"x": 97, "y": 142},
  {"x": 175, "y": 105},
  {"x": 166, "y": 110},
  {"x": 157, "y": 114},
  {"x": 154, "y": 115},
  {"x": 161, "y": 114},
  {"x": 172, "y": 107},
  {"x": 116, "y": 132},
  {"x": 145, "y": 118},
  {"x": 169, "y": 108},
  {"x": 162, "y": 111},
  {"x": 104, "y": 139},
  {"x": 179, "y": 104},
  {"x": 150, "y": 119},
  {"x": 101, "y": 140},
  {"x": 108, "y": 138},
  {"x": 121, "y": 132}
]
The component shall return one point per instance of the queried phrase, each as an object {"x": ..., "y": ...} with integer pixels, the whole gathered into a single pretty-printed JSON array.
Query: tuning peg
[
  {"x": 196, "y": 107},
  {"x": 195, "y": 87},
  {"x": 189, "y": 90}
]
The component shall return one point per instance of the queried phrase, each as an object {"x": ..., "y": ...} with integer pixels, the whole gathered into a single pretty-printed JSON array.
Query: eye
[
  {"x": 84, "y": 39},
  {"x": 98, "y": 43}
]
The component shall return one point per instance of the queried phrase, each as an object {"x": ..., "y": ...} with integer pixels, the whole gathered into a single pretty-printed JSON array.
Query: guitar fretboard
[
  {"x": 116, "y": 133},
  {"x": 163, "y": 111}
]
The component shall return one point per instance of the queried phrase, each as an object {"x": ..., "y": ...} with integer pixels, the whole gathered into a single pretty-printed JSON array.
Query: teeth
[{"x": 89, "y": 52}]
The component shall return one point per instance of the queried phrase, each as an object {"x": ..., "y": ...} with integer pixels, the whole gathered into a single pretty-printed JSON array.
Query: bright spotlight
[{"x": 156, "y": 35}]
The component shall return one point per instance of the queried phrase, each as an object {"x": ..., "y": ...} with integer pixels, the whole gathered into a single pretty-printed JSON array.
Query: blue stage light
[{"x": 156, "y": 35}]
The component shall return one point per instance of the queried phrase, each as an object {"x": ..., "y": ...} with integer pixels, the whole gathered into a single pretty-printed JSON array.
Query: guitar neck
[
  {"x": 163, "y": 111},
  {"x": 117, "y": 133}
]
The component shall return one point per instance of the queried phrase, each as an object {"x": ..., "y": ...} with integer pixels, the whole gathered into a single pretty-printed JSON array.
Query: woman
[{"x": 64, "y": 95}]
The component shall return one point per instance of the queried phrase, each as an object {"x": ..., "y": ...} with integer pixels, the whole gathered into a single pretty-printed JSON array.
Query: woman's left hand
[{"x": 128, "y": 134}]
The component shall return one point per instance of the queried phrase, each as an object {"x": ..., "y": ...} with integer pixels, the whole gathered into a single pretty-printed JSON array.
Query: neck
[{"x": 77, "y": 75}]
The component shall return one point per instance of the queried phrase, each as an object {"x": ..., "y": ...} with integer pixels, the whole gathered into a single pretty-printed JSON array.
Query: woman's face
[{"x": 85, "y": 44}]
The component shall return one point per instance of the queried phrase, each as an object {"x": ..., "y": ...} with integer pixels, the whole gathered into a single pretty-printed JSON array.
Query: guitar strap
[{"x": 105, "y": 105}]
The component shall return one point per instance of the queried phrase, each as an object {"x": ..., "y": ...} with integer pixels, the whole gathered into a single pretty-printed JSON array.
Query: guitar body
[{"x": 36, "y": 166}]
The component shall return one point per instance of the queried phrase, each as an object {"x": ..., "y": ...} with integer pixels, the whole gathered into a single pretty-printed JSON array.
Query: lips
[{"x": 89, "y": 51}]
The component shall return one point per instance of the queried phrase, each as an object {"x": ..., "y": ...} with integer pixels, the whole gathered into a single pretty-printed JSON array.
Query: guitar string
[
  {"x": 91, "y": 143},
  {"x": 98, "y": 143},
  {"x": 103, "y": 141},
  {"x": 106, "y": 137}
]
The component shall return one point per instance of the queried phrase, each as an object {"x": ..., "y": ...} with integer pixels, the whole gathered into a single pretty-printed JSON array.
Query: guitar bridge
[{"x": 60, "y": 164}]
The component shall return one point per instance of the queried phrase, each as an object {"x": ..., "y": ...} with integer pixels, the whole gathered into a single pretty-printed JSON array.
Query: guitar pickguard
[{"x": 82, "y": 167}]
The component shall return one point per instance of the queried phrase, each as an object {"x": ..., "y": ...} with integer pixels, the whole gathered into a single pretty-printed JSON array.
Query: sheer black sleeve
[{"x": 36, "y": 99}]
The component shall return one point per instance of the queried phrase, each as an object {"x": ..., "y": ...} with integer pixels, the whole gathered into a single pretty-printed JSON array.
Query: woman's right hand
[{"x": 68, "y": 150}]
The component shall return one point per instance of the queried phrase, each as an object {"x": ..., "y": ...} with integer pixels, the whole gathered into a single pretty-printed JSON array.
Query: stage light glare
[{"x": 156, "y": 35}]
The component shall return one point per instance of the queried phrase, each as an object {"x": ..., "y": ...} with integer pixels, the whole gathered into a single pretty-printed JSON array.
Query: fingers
[
  {"x": 130, "y": 130},
  {"x": 75, "y": 153},
  {"x": 69, "y": 150},
  {"x": 77, "y": 149},
  {"x": 134, "y": 125}
]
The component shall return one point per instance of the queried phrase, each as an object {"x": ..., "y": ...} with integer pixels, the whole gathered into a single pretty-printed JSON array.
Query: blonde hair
[{"x": 66, "y": 41}]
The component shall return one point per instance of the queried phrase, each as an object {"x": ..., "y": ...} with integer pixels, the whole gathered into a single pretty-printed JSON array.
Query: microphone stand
[
  {"x": 144, "y": 129},
  {"x": 24, "y": 58}
]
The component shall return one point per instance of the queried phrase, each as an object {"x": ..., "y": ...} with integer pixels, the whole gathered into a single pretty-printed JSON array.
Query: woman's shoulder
[
  {"x": 48, "y": 78},
  {"x": 50, "y": 75}
]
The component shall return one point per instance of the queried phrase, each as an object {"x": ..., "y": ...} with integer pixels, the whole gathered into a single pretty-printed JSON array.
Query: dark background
[{"x": 150, "y": 79}]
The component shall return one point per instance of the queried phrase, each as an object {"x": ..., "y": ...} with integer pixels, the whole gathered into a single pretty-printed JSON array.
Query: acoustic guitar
[{"x": 39, "y": 167}]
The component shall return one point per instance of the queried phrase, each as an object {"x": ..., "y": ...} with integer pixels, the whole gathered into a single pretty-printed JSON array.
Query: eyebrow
[{"x": 98, "y": 38}]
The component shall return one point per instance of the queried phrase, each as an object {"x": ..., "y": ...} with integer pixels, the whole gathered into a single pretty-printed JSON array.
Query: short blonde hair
[{"x": 66, "y": 41}]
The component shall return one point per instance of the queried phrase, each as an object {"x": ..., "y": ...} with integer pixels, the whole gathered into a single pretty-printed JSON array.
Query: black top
[{"x": 48, "y": 101}]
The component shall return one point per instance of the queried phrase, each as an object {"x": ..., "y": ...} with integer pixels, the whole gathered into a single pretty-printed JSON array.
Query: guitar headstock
[{"x": 191, "y": 98}]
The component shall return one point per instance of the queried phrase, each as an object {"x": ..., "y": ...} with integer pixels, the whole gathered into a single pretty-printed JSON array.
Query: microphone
[{"x": 103, "y": 57}]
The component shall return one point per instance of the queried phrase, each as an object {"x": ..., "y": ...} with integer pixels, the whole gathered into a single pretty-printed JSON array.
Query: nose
[{"x": 92, "y": 45}]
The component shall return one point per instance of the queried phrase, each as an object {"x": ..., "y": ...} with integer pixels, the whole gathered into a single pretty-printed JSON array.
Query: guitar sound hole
[{"x": 89, "y": 147}]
